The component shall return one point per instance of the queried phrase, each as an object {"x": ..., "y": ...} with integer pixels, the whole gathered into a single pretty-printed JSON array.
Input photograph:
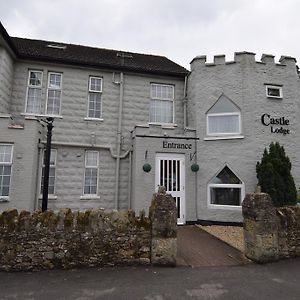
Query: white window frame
[
  {"x": 279, "y": 88},
  {"x": 91, "y": 91},
  {"x": 170, "y": 100},
  {"x": 39, "y": 87},
  {"x": 54, "y": 89},
  {"x": 224, "y": 185},
  {"x": 52, "y": 195},
  {"x": 84, "y": 195},
  {"x": 10, "y": 163},
  {"x": 238, "y": 133}
]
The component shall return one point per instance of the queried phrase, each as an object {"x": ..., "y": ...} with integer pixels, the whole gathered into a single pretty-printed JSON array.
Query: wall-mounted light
[
  {"x": 195, "y": 167},
  {"x": 147, "y": 168}
]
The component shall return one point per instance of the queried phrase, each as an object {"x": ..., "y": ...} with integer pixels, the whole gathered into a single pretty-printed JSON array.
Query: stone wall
[
  {"x": 270, "y": 233},
  {"x": 66, "y": 239}
]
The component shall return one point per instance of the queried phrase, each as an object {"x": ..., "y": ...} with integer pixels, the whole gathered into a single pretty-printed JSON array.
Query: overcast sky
[{"x": 178, "y": 29}]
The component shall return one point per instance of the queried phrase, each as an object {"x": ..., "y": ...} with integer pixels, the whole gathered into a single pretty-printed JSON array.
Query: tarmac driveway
[{"x": 197, "y": 248}]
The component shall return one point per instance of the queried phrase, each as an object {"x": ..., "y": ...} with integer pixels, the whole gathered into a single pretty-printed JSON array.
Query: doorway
[{"x": 169, "y": 172}]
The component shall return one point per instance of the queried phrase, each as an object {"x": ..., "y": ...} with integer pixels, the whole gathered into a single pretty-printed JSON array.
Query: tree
[{"x": 274, "y": 176}]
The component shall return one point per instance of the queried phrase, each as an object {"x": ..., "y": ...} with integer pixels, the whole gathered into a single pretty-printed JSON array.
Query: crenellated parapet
[{"x": 243, "y": 57}]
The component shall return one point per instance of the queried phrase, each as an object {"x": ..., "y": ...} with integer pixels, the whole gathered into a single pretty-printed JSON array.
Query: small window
[
  {"x": 91, "y": 173},
  {"x": 162, "y": 103},
  {"x": 274, "y": 91},
  {"x": 225, "y": 189},
  {"x": 94, "y": 98},
  {"x": 54, "y": 94},
  {"x": 6, "y": 152},
  {"x": 51, "y": 186},
  {"x": 34, "y": 92}
]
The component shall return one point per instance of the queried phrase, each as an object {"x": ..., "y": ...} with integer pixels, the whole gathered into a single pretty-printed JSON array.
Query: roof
[{"x": 39, "y": 50}]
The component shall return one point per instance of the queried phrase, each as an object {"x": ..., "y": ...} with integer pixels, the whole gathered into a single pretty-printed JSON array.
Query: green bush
[{"x": 274, "y": 176}]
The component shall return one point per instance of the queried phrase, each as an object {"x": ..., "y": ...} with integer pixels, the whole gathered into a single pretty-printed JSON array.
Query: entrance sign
[{"x": 176, "y": 145}]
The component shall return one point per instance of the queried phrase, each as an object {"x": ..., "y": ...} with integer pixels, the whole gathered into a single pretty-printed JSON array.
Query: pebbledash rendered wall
[
  {"x": 243, "y": 81},
  {"x": 6, "y": 75},
  {"x": 73, "y": 133}
]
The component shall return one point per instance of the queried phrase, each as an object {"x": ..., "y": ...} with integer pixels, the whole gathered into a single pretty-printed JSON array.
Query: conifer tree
[{"x": 274, "y": 176}]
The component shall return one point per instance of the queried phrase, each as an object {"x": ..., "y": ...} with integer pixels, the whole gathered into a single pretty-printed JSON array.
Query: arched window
[
  {"x": 225, "y": 189},
  {"x": 223, "y": 118}
]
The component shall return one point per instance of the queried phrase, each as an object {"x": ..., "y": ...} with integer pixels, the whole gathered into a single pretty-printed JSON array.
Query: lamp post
[{"x": 49, "y": 122}]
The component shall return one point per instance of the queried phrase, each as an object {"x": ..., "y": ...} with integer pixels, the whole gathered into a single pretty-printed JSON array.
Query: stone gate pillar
[
  {"x": 260, "y": 228},
  {"x": 163, "y": 215}
]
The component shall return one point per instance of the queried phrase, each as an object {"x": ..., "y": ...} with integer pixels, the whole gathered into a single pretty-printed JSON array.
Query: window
[
  {"x": 34, "y": 92},
  {"x": 274, "y": 91},
  {"x": 223, "y": 123},
  {"x": 225, "y": 189},
  {"x": 51, "y": 186},
  {"x": 6, "y": 152},
  {"x": 54, "y": 94},
  {"x": 223, "y": 118},
  {"x": 162, "y": 103},
  {"x": 95, "y": 91},
  {"x": 91, "y": 173}
]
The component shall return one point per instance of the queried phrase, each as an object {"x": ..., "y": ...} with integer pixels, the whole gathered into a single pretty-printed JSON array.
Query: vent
[{"x": 57, "y": 46}]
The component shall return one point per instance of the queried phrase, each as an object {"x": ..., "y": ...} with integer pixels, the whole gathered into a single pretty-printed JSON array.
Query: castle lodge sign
[{"x": 277, "y": 124}]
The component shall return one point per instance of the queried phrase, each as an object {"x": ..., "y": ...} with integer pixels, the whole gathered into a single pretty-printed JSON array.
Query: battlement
[{"x": 243, "y": 57}]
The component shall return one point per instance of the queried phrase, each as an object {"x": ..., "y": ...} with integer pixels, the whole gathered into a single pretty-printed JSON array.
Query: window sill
[
  {"x": 4, "y": 199},
  {"x": 94, "y": 119},
  {"x": 225, "y": 207},
  {"x": 163, "y": 125},
  {"x": 35, "y": 116},
  {"x": 5, "y": 116},
  {"x": 89, "y": 197},
  {"x": 50, "y": 197},
  {"x": 274, "y": 97},
  {"x": 229, "y": 137}
]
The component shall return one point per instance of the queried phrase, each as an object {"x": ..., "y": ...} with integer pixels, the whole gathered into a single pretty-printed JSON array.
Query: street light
[{"x": 49, "y": 122}]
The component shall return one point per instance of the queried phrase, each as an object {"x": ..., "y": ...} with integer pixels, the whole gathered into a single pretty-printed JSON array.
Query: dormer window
[{"x": 274, "y": 91}]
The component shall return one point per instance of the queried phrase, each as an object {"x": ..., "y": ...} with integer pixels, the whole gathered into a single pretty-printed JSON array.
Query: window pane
[
  {"x": 95, "y": 84},
  {"x": 53, "y": 102},
  {"x": 225, "y": 196},
  {"x": 55, "y": 81},
  {"x": 91, "y": 158},
  {"x": 161, "y": 111},
  {"x": 35, "y": 78},
  {"x": 223, "y": 124},
  {"x": 5, "y": 172},
  {"x": 274, "y": 92},
  {"x": 94, "y": 105},
  {"x": 90, "y": 181},
  {"x": 34, "y": 100},
  {"x": 5, "y": 153},
  {"x": 226, "y": 176}
]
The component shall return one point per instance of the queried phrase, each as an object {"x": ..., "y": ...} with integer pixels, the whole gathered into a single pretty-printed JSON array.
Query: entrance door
[{"x": 169, "y": 172}]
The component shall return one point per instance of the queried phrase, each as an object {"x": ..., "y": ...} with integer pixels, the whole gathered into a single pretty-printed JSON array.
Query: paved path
[
  {"x": 197, "y": 248},
  {"x": 277, "y": 281}
]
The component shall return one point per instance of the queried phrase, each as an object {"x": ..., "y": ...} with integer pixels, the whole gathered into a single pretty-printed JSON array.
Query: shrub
[{"x": 274, "y": 176}]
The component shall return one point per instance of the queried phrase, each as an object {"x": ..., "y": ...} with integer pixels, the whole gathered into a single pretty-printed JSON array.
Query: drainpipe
[
  {"x": 119, "y": 139},
  {"x": 129, "y": 180},
  {"x": 185, "y": 103}
]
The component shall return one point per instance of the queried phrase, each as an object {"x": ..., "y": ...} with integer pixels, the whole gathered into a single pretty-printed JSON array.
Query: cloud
[{"x": 177, "y": 29}]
